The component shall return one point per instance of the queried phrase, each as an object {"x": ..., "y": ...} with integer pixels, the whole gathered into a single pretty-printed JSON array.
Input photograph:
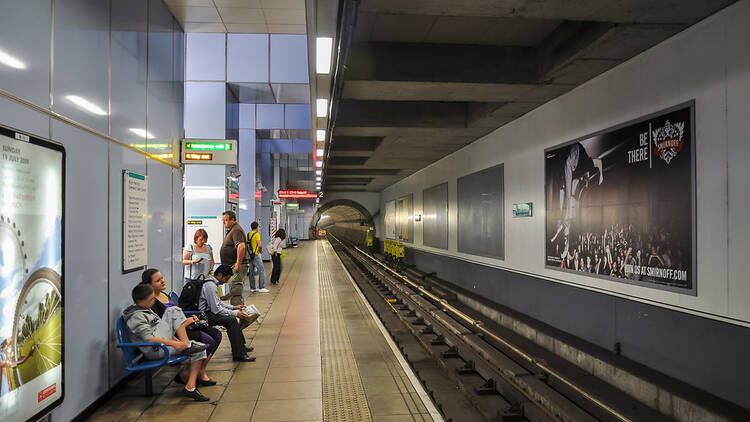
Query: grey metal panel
[
  {"x": 706, "y": 353},
  {"x": 480, "y": 213},
  {"x": 435, "y": 216}
]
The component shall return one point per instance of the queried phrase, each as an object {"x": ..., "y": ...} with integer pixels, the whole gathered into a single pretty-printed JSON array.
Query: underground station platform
[{"x": 321, "y": 355}]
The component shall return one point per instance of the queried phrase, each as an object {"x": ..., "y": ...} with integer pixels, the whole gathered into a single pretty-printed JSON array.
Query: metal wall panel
[
  {"x": 480, "y": 213},
  {"x": 435, "y": 216}
]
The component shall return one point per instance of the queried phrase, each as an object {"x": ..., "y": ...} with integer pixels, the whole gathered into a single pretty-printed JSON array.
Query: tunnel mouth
[{"x": 345, "y": 219}]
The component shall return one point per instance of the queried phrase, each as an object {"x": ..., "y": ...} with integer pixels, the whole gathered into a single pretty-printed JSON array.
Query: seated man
[
  {"x": 144, "y": 326},
  {"x": 220, "y": 313}
]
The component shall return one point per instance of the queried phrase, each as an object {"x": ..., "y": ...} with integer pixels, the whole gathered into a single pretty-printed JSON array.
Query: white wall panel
[
  {"x": 709, "y": 63},
  {"x": 120, "y": 285},
  {"x": 205, "y": 110},
  {"x": 160, "y": 252},
  {"x": 85, "y": 278}
]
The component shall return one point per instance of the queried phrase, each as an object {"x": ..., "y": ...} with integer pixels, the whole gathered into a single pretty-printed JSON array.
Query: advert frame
[
  {"x": 47, "y": 143},
  {"x": 693, "y": 290}
]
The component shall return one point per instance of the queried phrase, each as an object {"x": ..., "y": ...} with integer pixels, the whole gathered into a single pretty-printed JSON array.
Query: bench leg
[{"x": 149, "y": 384}]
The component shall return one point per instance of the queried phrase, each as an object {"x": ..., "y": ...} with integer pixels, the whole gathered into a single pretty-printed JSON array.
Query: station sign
[
  {"x": 297, "y": 194},
  {"x": 209, "y": 151},
  {"x": 524, "y": 209},
  {"x": 233, "y": 190}
]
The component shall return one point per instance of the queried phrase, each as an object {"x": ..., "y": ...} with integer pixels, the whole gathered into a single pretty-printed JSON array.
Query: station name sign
[
  {"x": 297, "y": 194},
  {"x": 209, "y": 151}
]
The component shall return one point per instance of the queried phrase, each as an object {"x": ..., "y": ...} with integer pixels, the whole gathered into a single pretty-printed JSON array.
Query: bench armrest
[
  {"x": 191, "y": 312},
  {"x": 162, "y": 361}
]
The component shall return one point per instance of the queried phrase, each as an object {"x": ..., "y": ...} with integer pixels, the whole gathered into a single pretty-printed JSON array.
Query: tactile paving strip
[{"x": 343, "y": 394}]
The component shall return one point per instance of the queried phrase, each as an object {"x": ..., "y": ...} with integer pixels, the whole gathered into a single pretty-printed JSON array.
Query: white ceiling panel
[
  {"x": 241, "y": 15},
  {"x": 196, "y": 14},
  {"x": 285, "y": 16},
  {"x": 287, "y": 29},
  {"x": 247, "y": 28}
]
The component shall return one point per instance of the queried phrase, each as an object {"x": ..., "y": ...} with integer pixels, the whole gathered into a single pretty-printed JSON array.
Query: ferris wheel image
[{"x": 35, "y": 344}]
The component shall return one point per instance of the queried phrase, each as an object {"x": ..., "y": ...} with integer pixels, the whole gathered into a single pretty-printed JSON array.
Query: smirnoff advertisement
[{"x": 620, "y": 203}]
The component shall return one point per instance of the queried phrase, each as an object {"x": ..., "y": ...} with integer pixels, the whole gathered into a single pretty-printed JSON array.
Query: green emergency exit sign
[
  {"x": 209, "y": 146},
  {"x": 523, "y": 209}
]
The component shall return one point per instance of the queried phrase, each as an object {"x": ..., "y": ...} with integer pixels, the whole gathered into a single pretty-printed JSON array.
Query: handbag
[{"x": 199, "y": 325}]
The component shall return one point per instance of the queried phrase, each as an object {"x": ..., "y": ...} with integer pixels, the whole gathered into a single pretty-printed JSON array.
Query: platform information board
[
  {"x": 31, "y": 268},
  {"x": 621, "y": 203},
  {"x": 134, "y": 221}
]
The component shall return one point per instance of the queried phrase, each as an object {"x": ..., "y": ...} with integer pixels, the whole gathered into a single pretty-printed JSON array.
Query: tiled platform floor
[{"x": 285, "y": 383}]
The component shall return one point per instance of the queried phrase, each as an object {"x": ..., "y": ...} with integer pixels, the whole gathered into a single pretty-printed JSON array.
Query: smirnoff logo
[{"x": 668, "y": 140}]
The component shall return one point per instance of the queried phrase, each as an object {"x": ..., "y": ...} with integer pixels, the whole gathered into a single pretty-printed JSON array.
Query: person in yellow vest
[{"x": 255, "y": 249}]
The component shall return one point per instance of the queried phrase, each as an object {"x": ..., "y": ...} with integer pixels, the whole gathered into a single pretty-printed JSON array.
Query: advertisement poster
[
  {"x": 390, "y": 220},
  {"x": 134, "y": 221},
  {"x": 31, "y": 286},
  {"x": 620, "y": 203}
]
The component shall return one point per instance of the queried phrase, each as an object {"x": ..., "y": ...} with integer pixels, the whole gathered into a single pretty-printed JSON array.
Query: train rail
[{"x": 451, "y": 352}]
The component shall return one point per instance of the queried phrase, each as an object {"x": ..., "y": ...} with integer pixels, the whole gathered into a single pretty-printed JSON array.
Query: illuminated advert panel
[
  {"x": 209, "y": 151},
  {"x": 31, "y": 268}
]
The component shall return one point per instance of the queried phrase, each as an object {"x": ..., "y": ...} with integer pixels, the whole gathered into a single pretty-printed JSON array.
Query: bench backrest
[{"x": 123, "y": 338}]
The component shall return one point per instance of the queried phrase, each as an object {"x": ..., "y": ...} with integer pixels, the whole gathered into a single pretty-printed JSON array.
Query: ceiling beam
[
  {"x": 622, "y": 11},
  {"x": 429, "y": 114},
  {"x": 390, "y": 61}
]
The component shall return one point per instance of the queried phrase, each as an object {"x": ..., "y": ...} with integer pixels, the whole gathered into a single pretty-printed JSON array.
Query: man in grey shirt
[{"x": 220, "y": 313}]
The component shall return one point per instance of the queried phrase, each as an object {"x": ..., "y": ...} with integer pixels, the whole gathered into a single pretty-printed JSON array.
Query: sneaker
[
  {"x": 263, "y": 290},
  {"x": 195, "y": 395},
  {"x": 195, "y": 347},
  {"x": 253, "y": 290},
  {"x": 244, "y": 358}
]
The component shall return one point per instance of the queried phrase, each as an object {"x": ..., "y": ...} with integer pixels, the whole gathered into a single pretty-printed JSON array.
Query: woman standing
[
  {"x": 275, "y": 249},
  {"x": 198, "y": 258}
]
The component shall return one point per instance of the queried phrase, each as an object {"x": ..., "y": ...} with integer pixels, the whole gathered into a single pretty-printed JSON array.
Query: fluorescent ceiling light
[
  {"x": 322, "y": 107},
  {"x": 318, "y": 163},
  {"x": 321, "y": 134},
  {"x": 323, "y": 48},
  {"x": 141, "y": 132},
  {"x": 86, "y": 105},
  {"x": 318, "y": 172},
  {"x": 318, "y": 178},
  {"x": 11, "y": 61},
  {"x": 320, "y": 152}
]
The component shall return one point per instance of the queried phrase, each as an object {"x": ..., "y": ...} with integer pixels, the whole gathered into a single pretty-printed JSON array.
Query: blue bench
[{"x": 132, "y": 354}]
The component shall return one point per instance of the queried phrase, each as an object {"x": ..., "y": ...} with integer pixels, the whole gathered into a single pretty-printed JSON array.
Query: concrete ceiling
[
  {"x": 426, "y": 77},
  {"x": 240, "y": 16}
]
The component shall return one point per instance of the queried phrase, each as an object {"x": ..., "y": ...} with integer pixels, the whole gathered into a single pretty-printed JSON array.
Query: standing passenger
[
  {"x": 253, "y": 239},
  {"x": 232, "y": 254},
  {"x": 276, "y": 250},
  {"x": 198, "y": 258}
]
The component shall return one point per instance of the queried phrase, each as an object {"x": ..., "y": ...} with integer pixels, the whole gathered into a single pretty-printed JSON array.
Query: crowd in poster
[
  {"x": 31, "y": 289},
  {"x": 620, "y": 203}
]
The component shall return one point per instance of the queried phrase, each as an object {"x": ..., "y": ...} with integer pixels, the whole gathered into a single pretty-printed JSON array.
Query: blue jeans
[{"x": 257, "y": 262}]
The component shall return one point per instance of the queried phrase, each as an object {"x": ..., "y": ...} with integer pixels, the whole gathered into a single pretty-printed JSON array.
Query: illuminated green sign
[
  {"x": 293, "y": 206},
  {"x": 209, "y": 146}
]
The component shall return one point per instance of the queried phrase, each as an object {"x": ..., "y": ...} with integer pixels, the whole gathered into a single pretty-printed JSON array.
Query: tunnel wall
[{"x": 700, "y": 339}]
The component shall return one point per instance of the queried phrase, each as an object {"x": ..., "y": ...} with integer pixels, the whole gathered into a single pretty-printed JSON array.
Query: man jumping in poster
[{"x": 576, "y": 169}]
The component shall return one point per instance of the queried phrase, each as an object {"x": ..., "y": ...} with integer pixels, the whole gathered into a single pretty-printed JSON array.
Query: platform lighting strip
[
  {"x": 321, "y": 134},
  {"x": 321, "y": 107},
  {"x": 323, "y": 50}
]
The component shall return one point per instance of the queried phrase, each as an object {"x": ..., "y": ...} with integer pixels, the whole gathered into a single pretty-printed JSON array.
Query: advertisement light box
[{"x": 31, "y": 282}]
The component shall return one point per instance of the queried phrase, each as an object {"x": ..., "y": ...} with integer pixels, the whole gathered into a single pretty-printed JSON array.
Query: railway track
[{"x": 469, "y": 370}]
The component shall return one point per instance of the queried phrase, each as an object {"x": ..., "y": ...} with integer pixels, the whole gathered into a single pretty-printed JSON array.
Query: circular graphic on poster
[{"x": 37, "y": 325}]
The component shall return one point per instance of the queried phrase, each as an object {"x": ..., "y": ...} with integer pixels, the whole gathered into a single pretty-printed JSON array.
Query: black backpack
[{"x": 190, "y": 295}]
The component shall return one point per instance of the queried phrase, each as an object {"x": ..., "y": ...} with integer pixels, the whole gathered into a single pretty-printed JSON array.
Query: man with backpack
[
  {"x": 254, "y": 249},
  {"x": 219, "y": 313}
]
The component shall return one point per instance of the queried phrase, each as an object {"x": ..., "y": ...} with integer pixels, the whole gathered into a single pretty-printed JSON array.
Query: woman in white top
[
  {"x": 275, "y": 249},
  {"x": 198, "y": 258}
]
